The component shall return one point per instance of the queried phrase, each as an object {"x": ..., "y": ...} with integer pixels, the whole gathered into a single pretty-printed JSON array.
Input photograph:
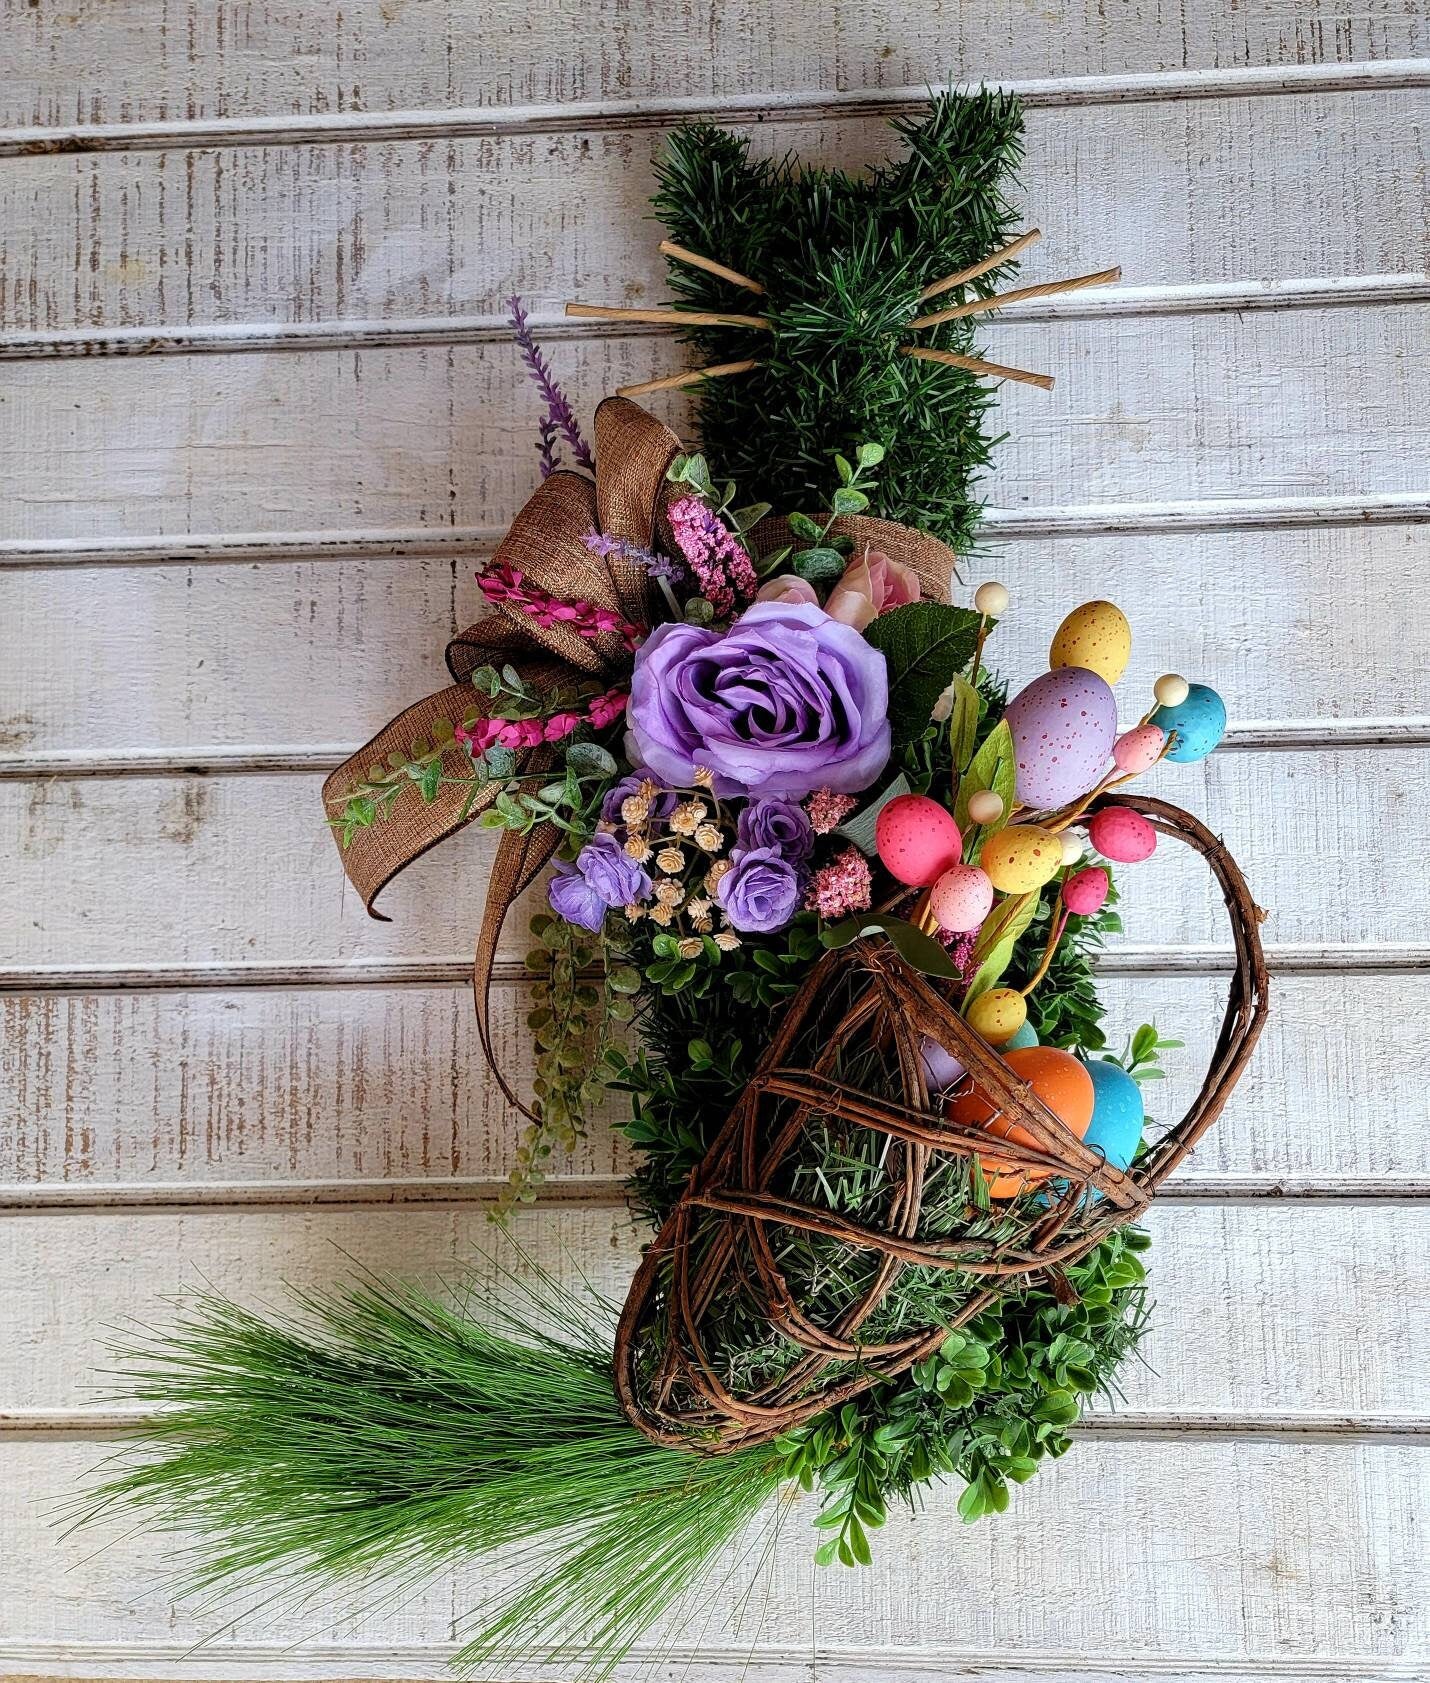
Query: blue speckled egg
[
  {"x": 1024, "y": 1037},
  {"x": 1199, "y": 721},
  {"x": 1117, "y": 1113}
]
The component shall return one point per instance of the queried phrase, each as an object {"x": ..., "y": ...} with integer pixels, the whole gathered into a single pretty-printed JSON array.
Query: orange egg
[{"x": 1063, "y": 1085}]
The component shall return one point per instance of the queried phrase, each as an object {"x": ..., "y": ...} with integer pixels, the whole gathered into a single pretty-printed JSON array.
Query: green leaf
[
  {"x": 962, "y": 722},
  {"x": 869, "y": 455},
  {"x": 584, "y": 757},
  {"x": 925, "y": 645},
  {"x": 911, "y": 944},
  {"x": 993, "y": 767},
  {"x": 859, "y": 827},
  {"x": 818, "y": 564},
  {"x": 849, "y": 501},
  {"x": 843, "y": 468},
  {"x": 1009, "y": 921},
  {"x": 803, "y": 527}
]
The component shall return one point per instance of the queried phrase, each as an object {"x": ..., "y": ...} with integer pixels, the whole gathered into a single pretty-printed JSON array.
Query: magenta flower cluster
[
  {"x": 600, "y": 712},
  {"x": 501, "y": 582},
  {"x": 721, "y": 565}
]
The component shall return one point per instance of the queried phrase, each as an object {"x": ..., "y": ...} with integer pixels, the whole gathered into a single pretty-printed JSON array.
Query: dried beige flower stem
[
  {"x": 995, "y": 370},
  {"x": 681, "y": 254},
  {"x": 690, "y": 377},
  {"x": 667, "y": 317},
  {"x": 1003, "y": 254},
  {"x": 1047, "y": 289}
]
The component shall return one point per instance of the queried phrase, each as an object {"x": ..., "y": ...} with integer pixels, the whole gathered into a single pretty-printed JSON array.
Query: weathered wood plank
[
  {"x": 229, "y": 869},
  {"x": 311, "y": 656},
  {"x": 1287, "y": 403},
  {"x": 259, "y": 1089},
  {"x": 1194, "y": 1560},
  {"x": 167, "y": 61},
  {"x": 1175, "y": 192},
  {"x": 1233, "y": 1329}
]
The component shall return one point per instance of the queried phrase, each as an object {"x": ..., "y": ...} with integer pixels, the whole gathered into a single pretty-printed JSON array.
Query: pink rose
[
  {"x": 787, "y": 588},
  {"x": 872, "y": 584}
]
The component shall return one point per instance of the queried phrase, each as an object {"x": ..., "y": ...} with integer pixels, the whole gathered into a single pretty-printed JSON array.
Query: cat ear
[{"x": 949, "y": 183}]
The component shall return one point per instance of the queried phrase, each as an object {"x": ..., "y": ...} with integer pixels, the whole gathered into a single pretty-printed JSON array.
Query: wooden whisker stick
[
  {"x": 991, "y": 261},
  {"x": 976, "y": 306},
  {"x": 669, "y": 248},
  {"x": 994, "y": 370},
  {"x": 690, "y": 377},
  {"x": 678, "y": 318}
]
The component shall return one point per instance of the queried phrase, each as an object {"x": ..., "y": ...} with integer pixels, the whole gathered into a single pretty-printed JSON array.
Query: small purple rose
[
  {"x": 573, "y": 899},
  {"x": 785, "y": 702},
  {"x": 761, "y": 892},
  {"x": 610, "y": 872},
  {"x": 782, "y": 825},
  {"x": 662, "y": 804}
]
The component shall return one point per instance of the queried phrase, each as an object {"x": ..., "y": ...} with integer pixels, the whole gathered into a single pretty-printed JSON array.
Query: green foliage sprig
[{"x": 843, "y": 260}]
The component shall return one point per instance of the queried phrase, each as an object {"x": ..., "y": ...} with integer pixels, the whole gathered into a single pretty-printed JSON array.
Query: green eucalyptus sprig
[{"x": 823, "y": 558}]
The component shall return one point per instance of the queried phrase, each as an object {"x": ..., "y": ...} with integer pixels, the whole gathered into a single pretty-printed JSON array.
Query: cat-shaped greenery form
[{"x": 843, "y": 261}]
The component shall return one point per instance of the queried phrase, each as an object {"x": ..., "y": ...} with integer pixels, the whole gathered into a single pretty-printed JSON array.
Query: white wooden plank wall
[{"x": 259, "y": 417}]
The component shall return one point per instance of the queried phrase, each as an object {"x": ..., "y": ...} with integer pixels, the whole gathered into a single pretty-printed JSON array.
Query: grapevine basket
[{"x": 723, "y": 1244}]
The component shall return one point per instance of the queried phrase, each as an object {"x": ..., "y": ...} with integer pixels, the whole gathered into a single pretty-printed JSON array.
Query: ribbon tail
[{"x": 520, "y": 860}]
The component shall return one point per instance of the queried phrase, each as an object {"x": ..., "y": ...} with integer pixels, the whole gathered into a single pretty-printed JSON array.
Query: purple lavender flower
[
  {"x": 658, "y": 566},
  {"x": 573, "y": 899},
  {"x": 559, "y": 414},
  {"x": 760, "y": 893},
  {"x": 779, "y": 824},
  {"x": 610, "y": 872}
]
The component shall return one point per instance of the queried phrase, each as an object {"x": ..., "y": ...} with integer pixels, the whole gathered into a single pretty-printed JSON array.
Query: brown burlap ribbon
[{"x": 546, "y": 543}]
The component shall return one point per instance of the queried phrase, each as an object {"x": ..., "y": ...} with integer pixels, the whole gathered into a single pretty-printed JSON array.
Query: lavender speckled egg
[
  {"x": 917, "y": 839},
  {"x": 1064, "y": 725}
]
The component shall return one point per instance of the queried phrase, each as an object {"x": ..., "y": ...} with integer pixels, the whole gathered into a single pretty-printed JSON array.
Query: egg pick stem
[{"x": 1055, "y": 934}]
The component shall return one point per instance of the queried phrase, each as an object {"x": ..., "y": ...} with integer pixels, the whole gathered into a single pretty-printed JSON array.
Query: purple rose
[
  {"x": 779, "y": 824},
  {"x": 760, "y": 892},
  {"x": 663, "y": 802},
  {"x": 785, "y": 702},
  {"x": 573, "y": 899},
  {"x": 610, "y": 872}
]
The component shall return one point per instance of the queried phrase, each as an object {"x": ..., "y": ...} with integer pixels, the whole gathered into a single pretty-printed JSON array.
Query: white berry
[
  {"x": 1072, "y": 848},
  {"x": 991, "y": 599},
  {"x": 1171, "y": 690},
  {"x": 985, "y": 807}
]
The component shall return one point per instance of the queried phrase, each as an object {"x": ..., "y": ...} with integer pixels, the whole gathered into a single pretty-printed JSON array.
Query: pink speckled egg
[
  {"x": 1063, "y": 725},
  {"x": 917, "y": 839},
  {"x": 961, "y": 898},
  {"x": 1085, "y": 892},
  {"x": 1122, "y": 836},
  {"x": 1136, "y": 750}
]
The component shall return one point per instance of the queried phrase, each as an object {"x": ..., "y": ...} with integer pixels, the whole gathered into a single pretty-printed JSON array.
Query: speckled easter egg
[
  {"x": 1199, "y": 721},
  {"x": 997, "y": 1015},
  {"x": 941, "y": 1069},
  {"x": 917, "y": 839},
  {"x": 1096, "y": 637},
  {"x": 1122, "y": 836},
  {"x": 961, "y": 898},
  {"x": 1063, "y": 725},
  {"x": 1026, "y": 1036},
  {"x": 1021, "y": 858},
  {"x": 1085, "y": 892},
  {"x": 1136, "y": 750},
  {"x": 1059, "y": 1080},
  {"x": 1117, "y": 1113}
]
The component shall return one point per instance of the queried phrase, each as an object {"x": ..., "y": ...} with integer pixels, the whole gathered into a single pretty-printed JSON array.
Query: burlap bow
[{"x": 626, "y": 500}]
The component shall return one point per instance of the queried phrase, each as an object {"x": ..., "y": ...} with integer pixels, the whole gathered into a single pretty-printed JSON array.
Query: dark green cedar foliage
[{"x": 843, "y": 259}]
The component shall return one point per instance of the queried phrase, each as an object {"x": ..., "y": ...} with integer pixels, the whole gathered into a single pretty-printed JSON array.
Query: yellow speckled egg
[
  {"x": 998, "y": 1014},
  {"x": 1096, "y": 637},
  {"x": 1021, "y": 858}
]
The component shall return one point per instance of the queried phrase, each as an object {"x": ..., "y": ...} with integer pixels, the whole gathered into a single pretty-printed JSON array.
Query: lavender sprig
[
  {"x": 658, "y": 566},
  {"x": 559, "y": 417}
]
